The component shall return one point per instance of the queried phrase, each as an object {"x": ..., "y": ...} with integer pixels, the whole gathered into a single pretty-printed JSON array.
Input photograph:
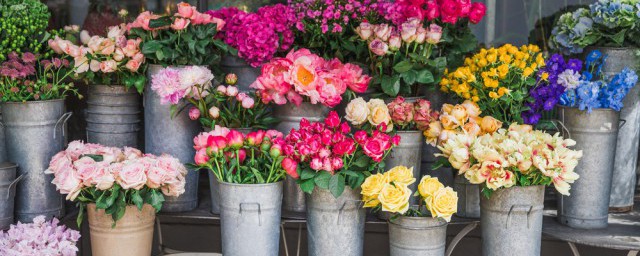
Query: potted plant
[
  {"x": 330, "y": 162},
  {"x": 112, "y": 66},
  {"x": 121, "y": 191},
  {"x": 610, "y": 27},
  {"x": 304, "y": 85},
  {"x": 591, "y": 104},
  {"x": 41, "y": 237},
  {"x": 412, "y": 230},
  {"x": 249, "y": 173},
  {"x": 513, "y": 166}
]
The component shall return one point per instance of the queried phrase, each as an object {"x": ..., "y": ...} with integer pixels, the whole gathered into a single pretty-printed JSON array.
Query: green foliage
[{"x": 23, "y": 27}]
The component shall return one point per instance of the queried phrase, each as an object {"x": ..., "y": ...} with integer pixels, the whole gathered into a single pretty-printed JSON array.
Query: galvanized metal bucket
[
  {"x": 335, "y": 226},
  {"x": 417, "y": 236},
  {"x": 35, "y": 132},
  {"x": 596, "y": 135},
  {"x": 624, "y": 172},
  {"x": 3, "y": 148},
  {"x": 409, "y": 154},
  {"x": 174, "y": 136},
  {"x": 8, "y": 182},
  {"x": 511, "y": 221},
  {"x": 131, "y": 236},
  {"x": 214, "y": 189},
  {"x": 113, "y": 116},
  {"x": 445, "y": 174},
  {"x": 290, "y": 116},
  {"x": 468, "y": 197},
  {"x": 245, "y": 72},
  {"x": 250, "y": 212}
]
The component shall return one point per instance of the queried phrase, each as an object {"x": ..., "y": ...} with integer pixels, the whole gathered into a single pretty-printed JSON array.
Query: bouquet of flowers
[
  {"x": 191, "y": 83},
  {"x": 302, "y": 73},
  {"x": 519, "y": 156},
  {"x": 593, "y": 89},
  {"x": 114, "y": 60},
  {"x": 113, "y": 178},
  {"x": 24, "y": 26},
  {"x": 390, "y": 192},
  {"x": 459, "y": 119},
  {"x": 258, "y": 36},
  {"x": 605, "y": 23},
  {"x": 232, "y": 109},
  {"x": 403, "y": 115},
  {"x": 39, "y": 238},
  {"x": 498, "y": 80},
  {"x": 235, "y": 158},
  {"x": 186, "y": 38},
  {"x": 327, "y": 154},
  {"x": 445, "y": 11}
]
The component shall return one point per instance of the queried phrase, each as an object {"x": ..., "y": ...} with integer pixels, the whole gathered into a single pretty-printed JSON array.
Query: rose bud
[
  {"x": 434, "y": 34},
  {"x": 275, "y": 151},
  {"x": 194, "y": 113},
  {"x": 365, "y": 30},
  {"x": 394, "y": 43},
  {"x": 231, "y": 79}
]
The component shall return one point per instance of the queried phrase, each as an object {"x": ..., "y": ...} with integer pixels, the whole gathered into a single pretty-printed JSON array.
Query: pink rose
[
  {"x": 477, "y": 12},
  {"x": 133, "y": 65},
  {"x": 423, "y": 115},
  {"x": 108, "y": 66},
  {"x": 103, "y": 178},
  {"x": 291, "y": 167},
  {"x": 131, "y": 153},
  {"x": 174, "y": 187},
  {"x": 86, "y": 170},
  {"x": 118, "y": 55},
  {"x": 401, "y": 112},
  {"x": 336, "y": 163},
  {"x": 107, "y": 47},
  {"x": 180, "y": 24},
  {"x": 172, "y": 167},
  {"x": 395, "y": 43},
  {"x": 155, "y": 177},
  {"x": 68, "y": 183},
  {"x": 316, "y": 164},
  {"x": 94, "y": 65},
  {"x": 365, "y": 30},
  {"x": 409, "y": 30},
  {"x": 58, "y": 162},
  {"x": 53, "y": 44},
  {"x": 383, "y": 31},
  {"x": 185, "y": 10},
  {"x": 434, "y": 34},
  {"x": 378, "y": 47},
  {"x": 132, "y": 175},
  {"x": 132, "y": 47}
]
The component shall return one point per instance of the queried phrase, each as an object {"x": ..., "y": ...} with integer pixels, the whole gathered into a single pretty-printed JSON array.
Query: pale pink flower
[{"x": 132, "y": 175}]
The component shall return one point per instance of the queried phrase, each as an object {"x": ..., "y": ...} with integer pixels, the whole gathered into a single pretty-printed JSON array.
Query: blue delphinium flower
[
  {"x": 617, "y": 89},
  {"x": 587, "y": 94}
]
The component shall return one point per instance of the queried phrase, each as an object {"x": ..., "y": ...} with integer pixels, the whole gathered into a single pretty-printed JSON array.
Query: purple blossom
[{"x": 39, "y": 238}]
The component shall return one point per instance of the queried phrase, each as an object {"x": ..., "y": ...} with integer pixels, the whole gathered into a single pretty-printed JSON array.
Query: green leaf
[
  {"x": 424, "y": 77},
  {"x": 307, "y": 174},
  {"x": 156, "y": 200},
  {"x": 362, "y": 161},
  {"x": 307, "y": 186},
  {"x": 151, "y": 47},
  {"x": 81, "y": 214},
  {"x": 160, "y": 22},
  {"x": 403, "y": 66},
  {"x": 390, "y": 85},
  {"x": 336, "y": 185},
  {"x": 97, "y": 158},
  {"x": 409, "y": 77},
  {"x": 322, "y": 179},
  {"x": 137, "y": 199}
]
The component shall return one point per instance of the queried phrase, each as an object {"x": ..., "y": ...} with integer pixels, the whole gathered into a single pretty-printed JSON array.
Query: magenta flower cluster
[
  {"x": 258, "y": 36},
  {"x": 332, "y": 16},
  {"x": 17, "y": 67},
  {"x": 39, "y": 238}
]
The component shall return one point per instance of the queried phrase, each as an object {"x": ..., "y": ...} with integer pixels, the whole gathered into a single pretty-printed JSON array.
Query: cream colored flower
[
  {"x": 460, "y": 113},
  {"x": 443, "y": 203},
  {"x": 395, "y": 198},
  {"x": 400, "y": 175},
  {"x": 472, "y": 108},
  {"x": 449, "y": 122},
  {"x": 500, "y": 178},
  {"x": 433, "y": 132},
  {"x": 357, "y": 111},
  {"x": 379, "y": 113},
  {"x": 428, "y": 186},
  {"x": 446, "y": 108}
]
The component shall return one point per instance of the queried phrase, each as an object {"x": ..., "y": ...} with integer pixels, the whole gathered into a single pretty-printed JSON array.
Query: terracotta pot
[{"x": 131, "y": 236}]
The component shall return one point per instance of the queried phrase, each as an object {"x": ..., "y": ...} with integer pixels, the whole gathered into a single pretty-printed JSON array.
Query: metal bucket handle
[
  {"x": 259, "y": 212},
  {"x": 564, "y": 128},
  {"x": 62, "y": 120},
  {"x": 622, "y": 123},
  {"x": 360, "y": 203},
  {"x": 13, "y": 184},
  {"x": 524, "y": 207}
]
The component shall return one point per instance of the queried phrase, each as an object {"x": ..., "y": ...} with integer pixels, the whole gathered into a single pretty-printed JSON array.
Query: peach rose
[
  {"x": 108, "y": 66},
  {"x": 490, "y": 124}
]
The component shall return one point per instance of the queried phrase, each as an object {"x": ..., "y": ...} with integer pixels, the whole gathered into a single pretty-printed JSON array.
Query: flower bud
[
  {"x": 394, "y": 43},
  {"x": 194, "y": 113},
  {"x": 232, "y": 91},
  {"x": 214, "y": 112},
  {"x": 434, "y": 34},
  {"x": 231, "y": 79}
]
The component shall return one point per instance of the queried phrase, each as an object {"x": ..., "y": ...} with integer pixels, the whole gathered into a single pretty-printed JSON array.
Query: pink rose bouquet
[
  {"x": 255, "y": 158},
  {"x": 191, "y": 83},
  {"x": 446, "y": 11},
  {"x": 258, "y": 36},
  {"x": 39, "y": 238},
  {"x": 328, "y": 155},
  {"x": 302, "y": 73},
  {"x": 184, "y": 38},
  {"x": 113, "y": 178},
  {"x": 111, "y": 60}
]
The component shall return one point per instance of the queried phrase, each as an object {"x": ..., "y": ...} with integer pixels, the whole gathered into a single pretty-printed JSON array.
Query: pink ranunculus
[
  {"x": 477, "y": 12},
  {"x": 395, "y": 140},
  {"x": 332, "y": 120},
  {"x": 450, "y": 11},
  {"x": 108, "y": 66},
  {"x": 434, "y": 34},
  {"x": 432, "y": 11},
  {"x": 180, "y": 24},
  {"x": 291, "y": 167},
  {"x": 194, "y": 113},
  {"x": 361, "y": 137},
  {"x": 378, "y": 47},
  {"x": 185, "y": 10},
  {"x": 132, "y": 175},
  {"x": 201, "y": 157}
]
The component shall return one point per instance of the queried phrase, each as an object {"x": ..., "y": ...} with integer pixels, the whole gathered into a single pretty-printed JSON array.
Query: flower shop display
[
  {"x": 329, "y": 162},
  {"x": 592, "y": 108},
  {"x": 41, "y": 237},
  {"x": 421, "y": 39},
  {"x": 8, "y": 182},
  {"x": 513, "y": 166},
  {"x": 121, "y": 190},
  {"x": 249, "y": 171},
  {"x": 498, "y": 80},
  {"x": 112, "y": 66},
  {"x": 609, "y": 23},
  {"x": 412, "y": 230},
  {"x": 169, "y": 96}
]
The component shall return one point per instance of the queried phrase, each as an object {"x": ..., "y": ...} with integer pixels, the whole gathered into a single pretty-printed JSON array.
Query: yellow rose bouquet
[
  {"x": 461, "y": 118},
  {"x": 518, "y": 156},
  {"x": 498, "y": 80},
  {"x": 390, "y": 192}
]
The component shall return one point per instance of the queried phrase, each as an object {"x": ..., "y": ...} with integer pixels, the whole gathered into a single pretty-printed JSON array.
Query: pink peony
[
  {"x": 291, "y": 167},
  {"x": 166, "y": 84},
  {"x": 194, "y": 113}
]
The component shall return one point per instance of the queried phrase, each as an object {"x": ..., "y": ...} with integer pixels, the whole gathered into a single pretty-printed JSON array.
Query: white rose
[{"x": 357, "y": 111}]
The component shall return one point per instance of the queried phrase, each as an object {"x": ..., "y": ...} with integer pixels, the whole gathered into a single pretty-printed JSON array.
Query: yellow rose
[
  {"x": 395, "y": 198},
  {"x": 490, "y": 124},
  {"x": 428, "y": 186},
  {"x": 379, "y": 113},
  {"x": 494, "y": 95},
  {"x": 460, "y": 114},
  {"x": 446, "y": 108},
  {"x": 449, "y": 122},
  {"x": 472, "y": 108},
  {"x": 370, "y": 201},
  {"x": 373, "y": 184},
  {"x": 400, "y": 175},
  {"x": 443, "y": 203},
  {"x": 357, "y": 111}
]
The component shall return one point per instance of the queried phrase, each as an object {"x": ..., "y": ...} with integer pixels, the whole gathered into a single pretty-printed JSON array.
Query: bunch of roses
[
  {"x": 553, "y": 79},
  {"x": 225, "y": 151},
  {"x": 375, "y": 112},
  {"x": 324, "y": 146},
  {"x": 258, "y": 36},
  {"x": 39, "y": 238},
  {"x": 302, "y": 73},
  {"x": 91, "y": 166},
  {"x": 448, "y": 11},
  {"x": 186, "y": 15},
  {"x": 461, "y": 118},
  {"x": 390, "y": 192},
  {"x": 173, "y": 84},
  {"x": 518, "y": 156},
  {"x": 332, "y": 16},
  {"x": 415, "y": 115},
  {"x": 385, "y": 38}
]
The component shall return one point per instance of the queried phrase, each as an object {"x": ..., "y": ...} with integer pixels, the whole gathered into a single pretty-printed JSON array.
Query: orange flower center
[{"x": 305, "y": 76}]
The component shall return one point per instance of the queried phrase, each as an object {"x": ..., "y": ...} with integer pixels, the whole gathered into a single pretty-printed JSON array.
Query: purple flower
[{"x": 39, "y": 238}]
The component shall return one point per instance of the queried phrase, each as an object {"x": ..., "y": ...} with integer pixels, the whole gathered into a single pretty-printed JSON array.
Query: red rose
[
  {"x": 477, "y": 12},
  {"x": 333, "y": 120}
]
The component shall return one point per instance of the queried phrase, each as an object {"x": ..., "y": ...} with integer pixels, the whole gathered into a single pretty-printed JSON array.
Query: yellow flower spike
[{"x": 494, "y": 95}]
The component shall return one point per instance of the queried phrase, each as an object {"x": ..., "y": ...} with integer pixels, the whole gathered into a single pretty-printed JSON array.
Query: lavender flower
[{"x": 39, "y": 238}]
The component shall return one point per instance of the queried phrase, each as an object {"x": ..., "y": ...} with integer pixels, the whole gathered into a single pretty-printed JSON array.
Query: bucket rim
[
  {"x": 595, "y": 109},
  {"x": 612, "y": 47},
  {"x": 439, "y": 222},
  {"x": 32, "y": 102},
  {"x": 249, "y": 185},
  {"x": 8, "y": 165}
]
